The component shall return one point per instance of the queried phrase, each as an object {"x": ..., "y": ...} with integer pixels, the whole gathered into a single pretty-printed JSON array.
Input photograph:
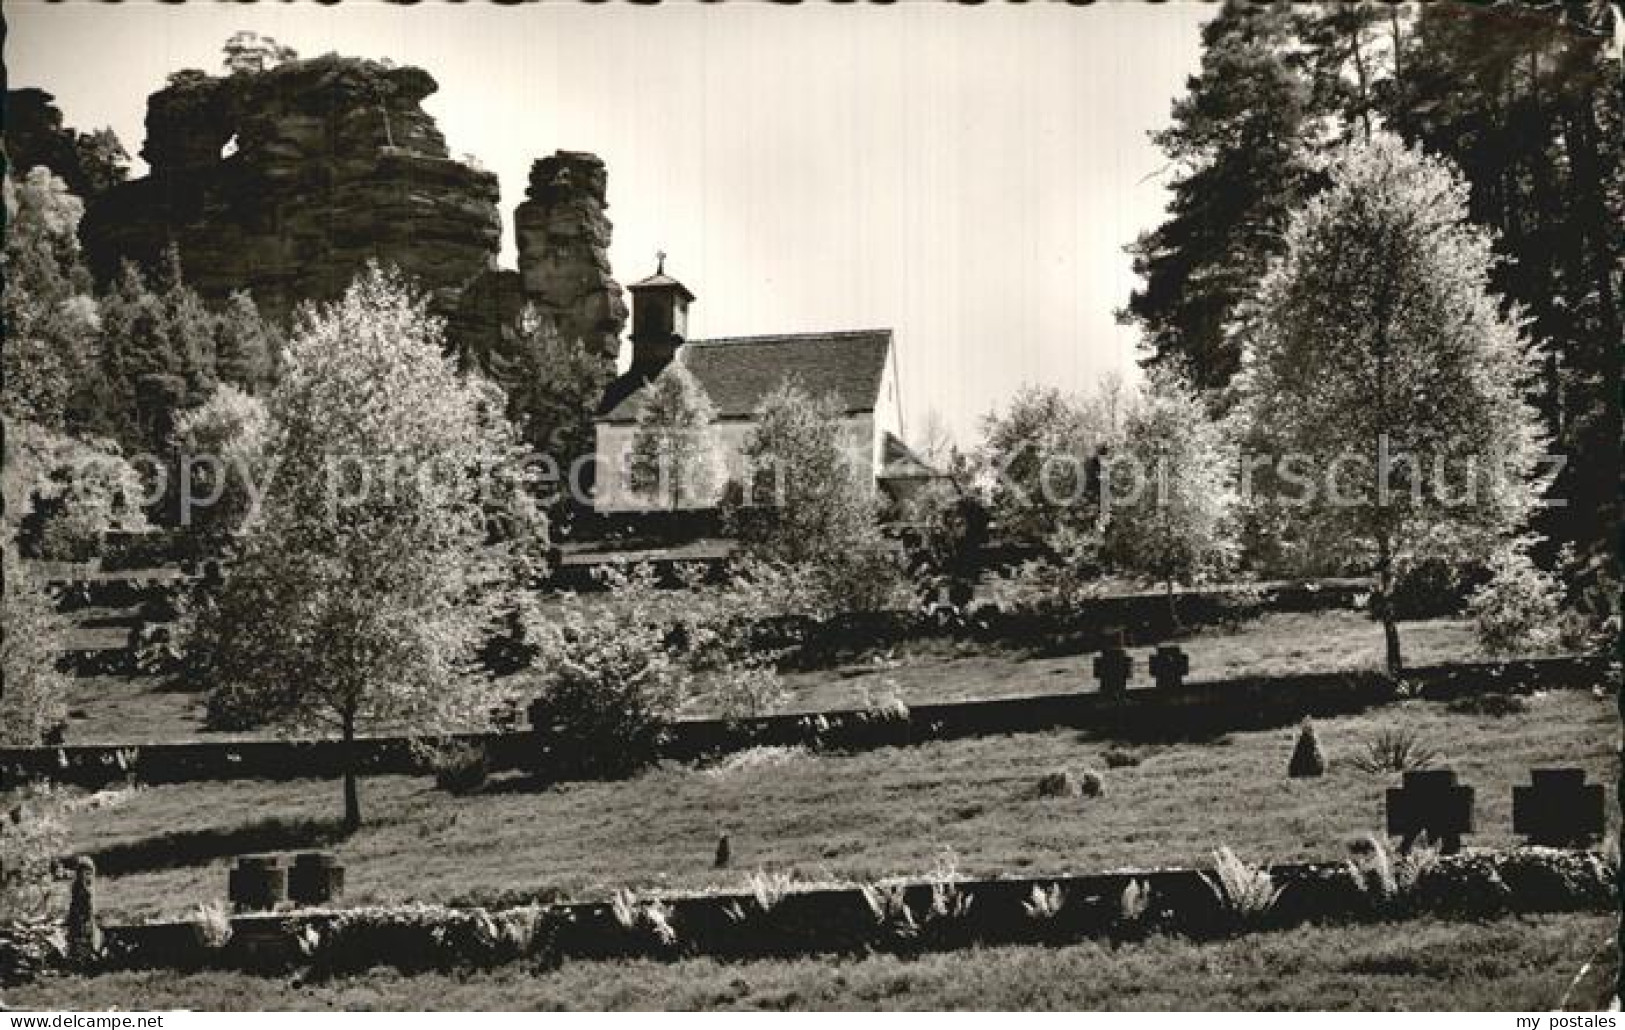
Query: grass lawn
[
  {"x": 1515, "y": 964},
  {"x": 1275, "y": 644},
  {"x": 836, "y": 817},
  {"x": 142, "y": 709}
]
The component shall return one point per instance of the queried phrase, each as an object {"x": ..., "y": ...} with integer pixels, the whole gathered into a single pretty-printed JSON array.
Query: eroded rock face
[
  {"x": 286, "y": 182},
  {"x": 564, "y": 273},
  {"x": 563, "y": 238}
]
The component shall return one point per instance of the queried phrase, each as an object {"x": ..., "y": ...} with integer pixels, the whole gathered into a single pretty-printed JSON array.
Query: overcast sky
[{"x": 965, "y": 176}]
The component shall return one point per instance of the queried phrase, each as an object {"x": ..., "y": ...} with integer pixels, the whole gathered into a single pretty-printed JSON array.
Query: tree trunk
[
  {"x": 1173, "y": 608},
  {"x": 1385, "y": 598},
  {"x": 352, "y": 793}
]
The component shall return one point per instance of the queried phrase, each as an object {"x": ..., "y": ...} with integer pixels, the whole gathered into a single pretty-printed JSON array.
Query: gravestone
[
  {"x": 84, "y": 935},
  {"x": 1558, "y": 808},
  {"x": 317, "y": 877},
  {"x": 1169, "y": 665},
  {"x": 258, "y": 882},
  {"x": 1112, "y": 668},
  {"x": 1430, "y": 801}
]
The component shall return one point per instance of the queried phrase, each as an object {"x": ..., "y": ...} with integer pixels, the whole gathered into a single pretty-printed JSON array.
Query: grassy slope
[
  {"x": 111, "y": 709},
  {"x": 862, "y": 816},
  {"x": 1520, "y": 965},
  {"x": 1276, "y": 644}
]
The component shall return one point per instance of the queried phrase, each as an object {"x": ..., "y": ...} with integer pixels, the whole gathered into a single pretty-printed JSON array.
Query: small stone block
[
  {"x": 1112, "y": 668},
  {"x": 258, "y": 882},
  {"x": 1558, "y": 808},
  {"x": 317, "y": 878},
  {"x": 1169, "y": 666},
  {"x": 1430, "y": 801}
]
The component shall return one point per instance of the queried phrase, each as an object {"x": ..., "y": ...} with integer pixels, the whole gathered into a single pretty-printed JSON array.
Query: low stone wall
[
  {"x": 841, "y": 920},
  {"x": 1189, "y": 709}
]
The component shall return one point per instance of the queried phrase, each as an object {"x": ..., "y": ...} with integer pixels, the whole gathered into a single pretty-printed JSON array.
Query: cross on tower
[{"x": 660, "y": 262}]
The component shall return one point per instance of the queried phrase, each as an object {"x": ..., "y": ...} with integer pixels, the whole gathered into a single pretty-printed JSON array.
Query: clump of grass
[
  {"x": 755, "y": 759},
  {"x": 461, "y": 768},
  {"x": 1247, "y": 892},
  {"x": 1134, "y": 903},
  {"x": 1059, "y": 783},
  {"x": 1307, "y": 757},
  {"x": 1496, "y": 704},
  {"x": 1044, "y": 905},
  {"x": 766, "y": 890},
  {"x": 888, "y": 903},
  {"x": 652, "y": 916},
  {"x": 1093, "y": 784},
  {"x": 1389, "y": 878},
  {"x": 1395, "y": 751},
  {"x": 211, "y": 924},
  {"x": 1121, "y": 758}
]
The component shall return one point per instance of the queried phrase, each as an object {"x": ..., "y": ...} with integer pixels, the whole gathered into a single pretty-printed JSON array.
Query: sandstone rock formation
[
  {"x": 286, "y": 182},
  {"x": 563, "y": 241}
]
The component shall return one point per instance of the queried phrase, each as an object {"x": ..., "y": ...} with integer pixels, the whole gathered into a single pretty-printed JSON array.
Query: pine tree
[
  {"x": 245, "y": 345},
  {"x": 1240, "y": 142}
]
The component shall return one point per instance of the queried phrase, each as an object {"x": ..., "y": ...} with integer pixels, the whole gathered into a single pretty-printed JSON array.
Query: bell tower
[{"x": 659, "y": 320}]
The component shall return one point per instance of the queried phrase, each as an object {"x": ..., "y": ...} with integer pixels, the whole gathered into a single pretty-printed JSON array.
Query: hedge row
[
  {"x": 906, "y": 917},
  {"x": 1201, "y": 708}
]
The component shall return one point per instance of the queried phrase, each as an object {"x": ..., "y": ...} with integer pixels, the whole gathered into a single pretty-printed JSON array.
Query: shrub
[
  {"x": 1061, "y": 783},
  {"x": 29, "y": 949},
  {"x": 1431, "y": 589},
  {"x": 1520, "y": 609},
  {"x": 1121, "y": 758},
  {"x": 1093, "y": 784},
  {"x": 460, "y": 768},
  {"x": 1307, "y": 758},
  {"x": 886, "y": 706},
  {"x": 223, "y": 444},
  {"x": 30, "y": 633},
  {"x": 611, "y": 682},
  {"x": 72, "y": 493},
  {"x": 1395, "y": 751},
  {"x": 744, "y": 691},
  {"x": 33, "y": 832},
  {"x": 808, "y": 505},
  {"x": 1245, "y": 892}
]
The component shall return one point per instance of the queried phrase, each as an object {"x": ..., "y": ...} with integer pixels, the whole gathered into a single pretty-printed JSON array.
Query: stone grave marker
[
  {"x": 1558, "y": 808},
  {"x": 317, "y": 877},
  {"x": 1430, "y": 801},
  {"x": 258, "y": 882},
  {"x": 1169, "y": 666},
  {"x": 1112, "y": 668}
]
